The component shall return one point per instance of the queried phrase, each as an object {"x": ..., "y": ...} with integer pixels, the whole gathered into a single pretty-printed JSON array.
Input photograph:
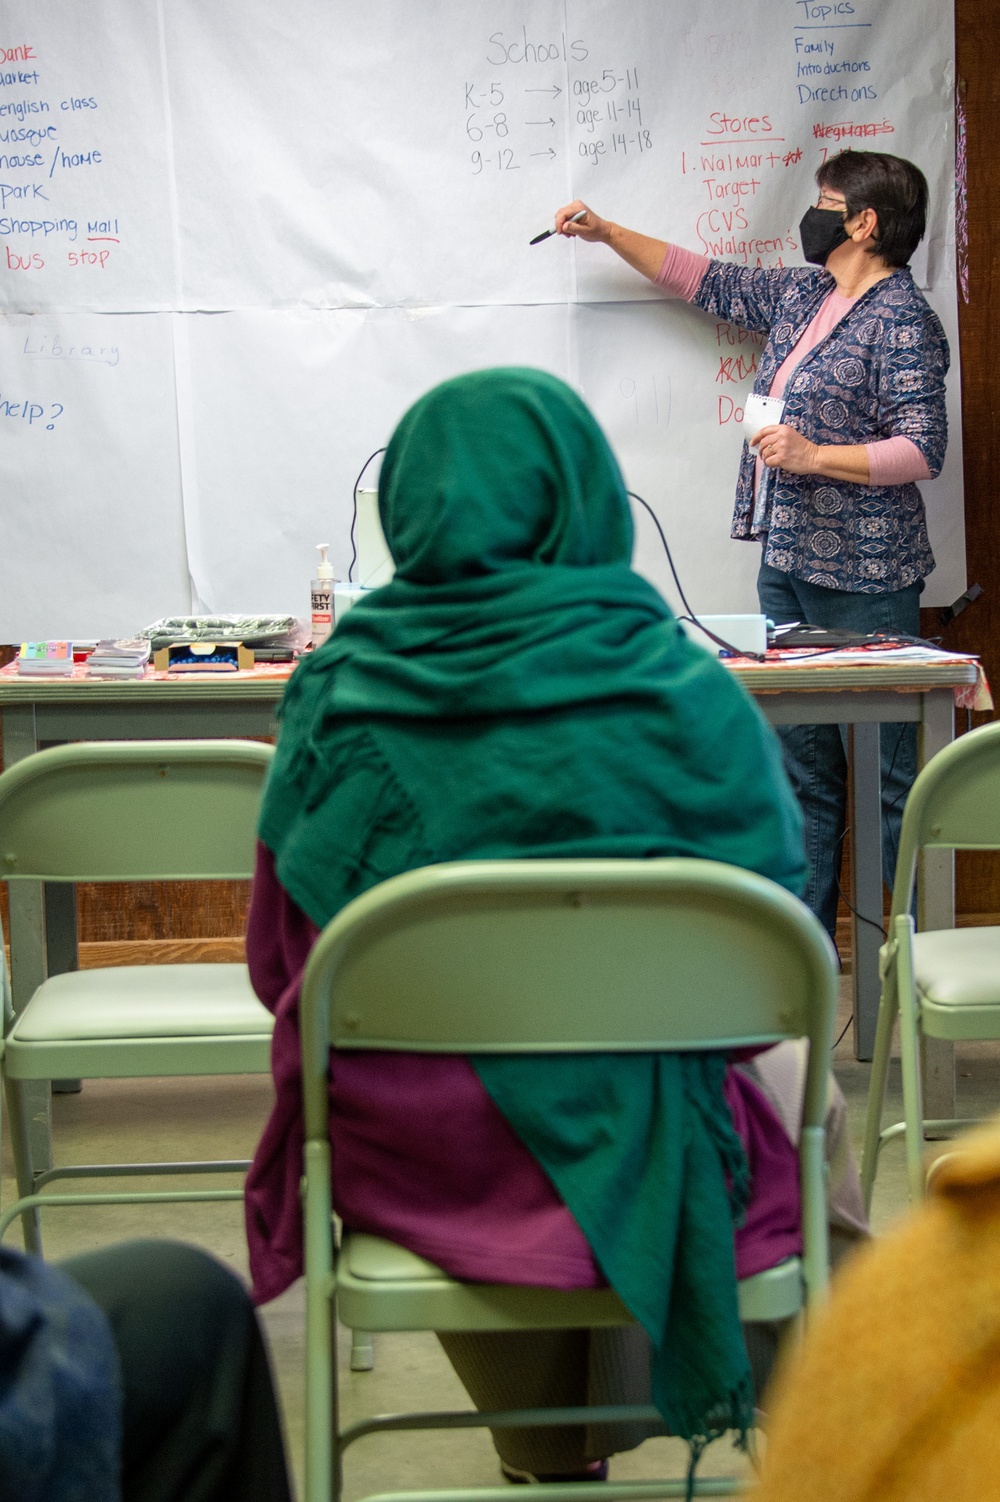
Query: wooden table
[{"x": 35, "y": 712}]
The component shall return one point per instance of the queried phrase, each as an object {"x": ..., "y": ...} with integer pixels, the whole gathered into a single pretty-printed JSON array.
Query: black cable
[
  {"x": 873, "y": 642},
  {"x": 887, "y": 809},
  {"x": 843, "y": 1034},
  {"x": 883, "y": 810},
  {"x": 838, "y": 851},
  {"x": 727, "y": 646},
  {"x": 354, "y": 513},
  {"x": 902, "y": 639}
]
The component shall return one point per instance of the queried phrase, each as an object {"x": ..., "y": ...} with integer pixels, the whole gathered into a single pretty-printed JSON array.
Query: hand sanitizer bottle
[{"x": 322, "y": 598}]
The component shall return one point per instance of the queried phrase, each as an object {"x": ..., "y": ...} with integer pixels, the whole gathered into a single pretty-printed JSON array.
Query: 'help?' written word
[{"x": 31, "y": 413}]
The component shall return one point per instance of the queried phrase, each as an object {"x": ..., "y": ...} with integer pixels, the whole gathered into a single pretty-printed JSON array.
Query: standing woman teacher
[{"x": 859, "y": 358}]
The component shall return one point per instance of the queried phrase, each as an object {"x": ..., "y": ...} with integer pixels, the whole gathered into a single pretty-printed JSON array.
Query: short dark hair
[{"x": 893, "y": 187}]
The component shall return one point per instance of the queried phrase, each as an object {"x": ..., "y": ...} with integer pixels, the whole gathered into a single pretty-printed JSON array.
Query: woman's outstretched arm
[{"x": 641, "y": 252}]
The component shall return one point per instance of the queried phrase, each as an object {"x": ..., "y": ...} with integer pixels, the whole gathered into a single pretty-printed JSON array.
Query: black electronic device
[
  {"x": 963, "y": 602},
  {"x": 822, "y": 636}
]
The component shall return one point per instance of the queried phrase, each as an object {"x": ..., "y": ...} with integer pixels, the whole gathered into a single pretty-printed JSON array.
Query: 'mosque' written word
[{"x": 29, "y": 135}]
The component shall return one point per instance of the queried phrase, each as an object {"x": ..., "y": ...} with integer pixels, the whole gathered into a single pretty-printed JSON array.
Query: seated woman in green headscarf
[{"x": 518, "y": 691}]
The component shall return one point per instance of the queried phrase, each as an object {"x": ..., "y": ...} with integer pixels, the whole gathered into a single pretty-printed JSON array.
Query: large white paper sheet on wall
[
  {"x": 643, "y": 369},
  {"x": 737, "y": 106},
  {"x": 85, "y": 185},
  {"x": 345, "y": 155},
  {"x": 92, "y": 539},
  {"x": 340, "y": 381},
  {"x": 335, "y": 205}
]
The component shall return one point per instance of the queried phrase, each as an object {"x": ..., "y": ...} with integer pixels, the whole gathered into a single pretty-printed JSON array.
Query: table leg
[
  {"x": 866, "y": 867},
  {"x": 936, "y": 905},
  {"x": 27, "y": 972},
  {"x": 60, "y": 927},
  {"x": 61, "y": 953}
]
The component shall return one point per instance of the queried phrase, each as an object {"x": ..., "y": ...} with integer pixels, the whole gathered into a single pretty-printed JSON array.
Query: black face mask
[{"x": 822, "y": 230}]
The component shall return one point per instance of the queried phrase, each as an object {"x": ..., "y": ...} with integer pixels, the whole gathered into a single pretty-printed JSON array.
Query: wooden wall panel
[
  {"x": 161, "y": 910},
  {"x": 977, "y": 31}
]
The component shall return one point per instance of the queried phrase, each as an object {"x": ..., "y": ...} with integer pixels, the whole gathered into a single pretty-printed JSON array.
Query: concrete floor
[{"x": 218, "y": 1118}]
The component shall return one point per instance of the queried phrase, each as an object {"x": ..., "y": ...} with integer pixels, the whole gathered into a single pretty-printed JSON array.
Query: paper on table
[{"x": 854, "y": 655}]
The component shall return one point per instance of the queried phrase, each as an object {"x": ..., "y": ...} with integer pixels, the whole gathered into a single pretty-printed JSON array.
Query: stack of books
[
  {"x": 46, "y": 659},
  {"x": 119, "y": 659}
]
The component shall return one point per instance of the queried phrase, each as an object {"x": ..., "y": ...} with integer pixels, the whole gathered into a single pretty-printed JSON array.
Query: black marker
[{"x": 545, "y": 235}]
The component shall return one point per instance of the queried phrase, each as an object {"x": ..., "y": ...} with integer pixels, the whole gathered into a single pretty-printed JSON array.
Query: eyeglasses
[{"x": 826, "y": 202}]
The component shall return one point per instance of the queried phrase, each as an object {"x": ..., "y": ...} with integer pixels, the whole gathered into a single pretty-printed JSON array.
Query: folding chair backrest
[
  {"x": 954, "y": 804},
  {"x": 568, "y": 956},
  {"x": 133, "y": 811}
]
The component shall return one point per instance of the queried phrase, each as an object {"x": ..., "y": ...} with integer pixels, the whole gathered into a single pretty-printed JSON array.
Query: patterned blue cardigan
[{"x": 878, "y": 374}]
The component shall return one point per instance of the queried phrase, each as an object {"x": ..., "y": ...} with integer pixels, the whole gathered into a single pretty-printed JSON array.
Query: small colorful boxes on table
[{"x": 46, "y": 659}]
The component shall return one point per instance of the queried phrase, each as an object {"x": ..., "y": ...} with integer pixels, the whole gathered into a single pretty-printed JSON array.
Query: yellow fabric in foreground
[{"x": 895, "y": 1394}]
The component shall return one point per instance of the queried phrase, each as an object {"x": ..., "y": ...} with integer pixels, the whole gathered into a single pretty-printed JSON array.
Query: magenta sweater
[{"x": 423, "y": 1157}]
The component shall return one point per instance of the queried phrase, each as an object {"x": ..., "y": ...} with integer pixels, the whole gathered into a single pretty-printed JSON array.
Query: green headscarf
[{"x": 517, "y": 691}]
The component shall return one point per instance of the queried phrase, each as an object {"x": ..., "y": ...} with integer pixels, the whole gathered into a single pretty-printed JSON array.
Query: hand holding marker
[
  {"x": 577, "y": 221},
  {"x": 546, "y": 233}
]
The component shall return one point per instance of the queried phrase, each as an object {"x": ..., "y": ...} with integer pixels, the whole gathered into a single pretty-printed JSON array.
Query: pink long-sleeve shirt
[{"x": 891, "y": 461}]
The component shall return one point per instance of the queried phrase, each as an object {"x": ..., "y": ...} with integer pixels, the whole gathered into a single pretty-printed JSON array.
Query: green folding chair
[
  {"x": 129, "y": 811},
  {"x": 944, "y": 983},
  {"x": 545, "y": 956}
]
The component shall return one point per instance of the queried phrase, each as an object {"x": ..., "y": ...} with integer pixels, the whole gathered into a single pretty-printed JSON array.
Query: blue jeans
[{"x": 816, "y": 755}]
